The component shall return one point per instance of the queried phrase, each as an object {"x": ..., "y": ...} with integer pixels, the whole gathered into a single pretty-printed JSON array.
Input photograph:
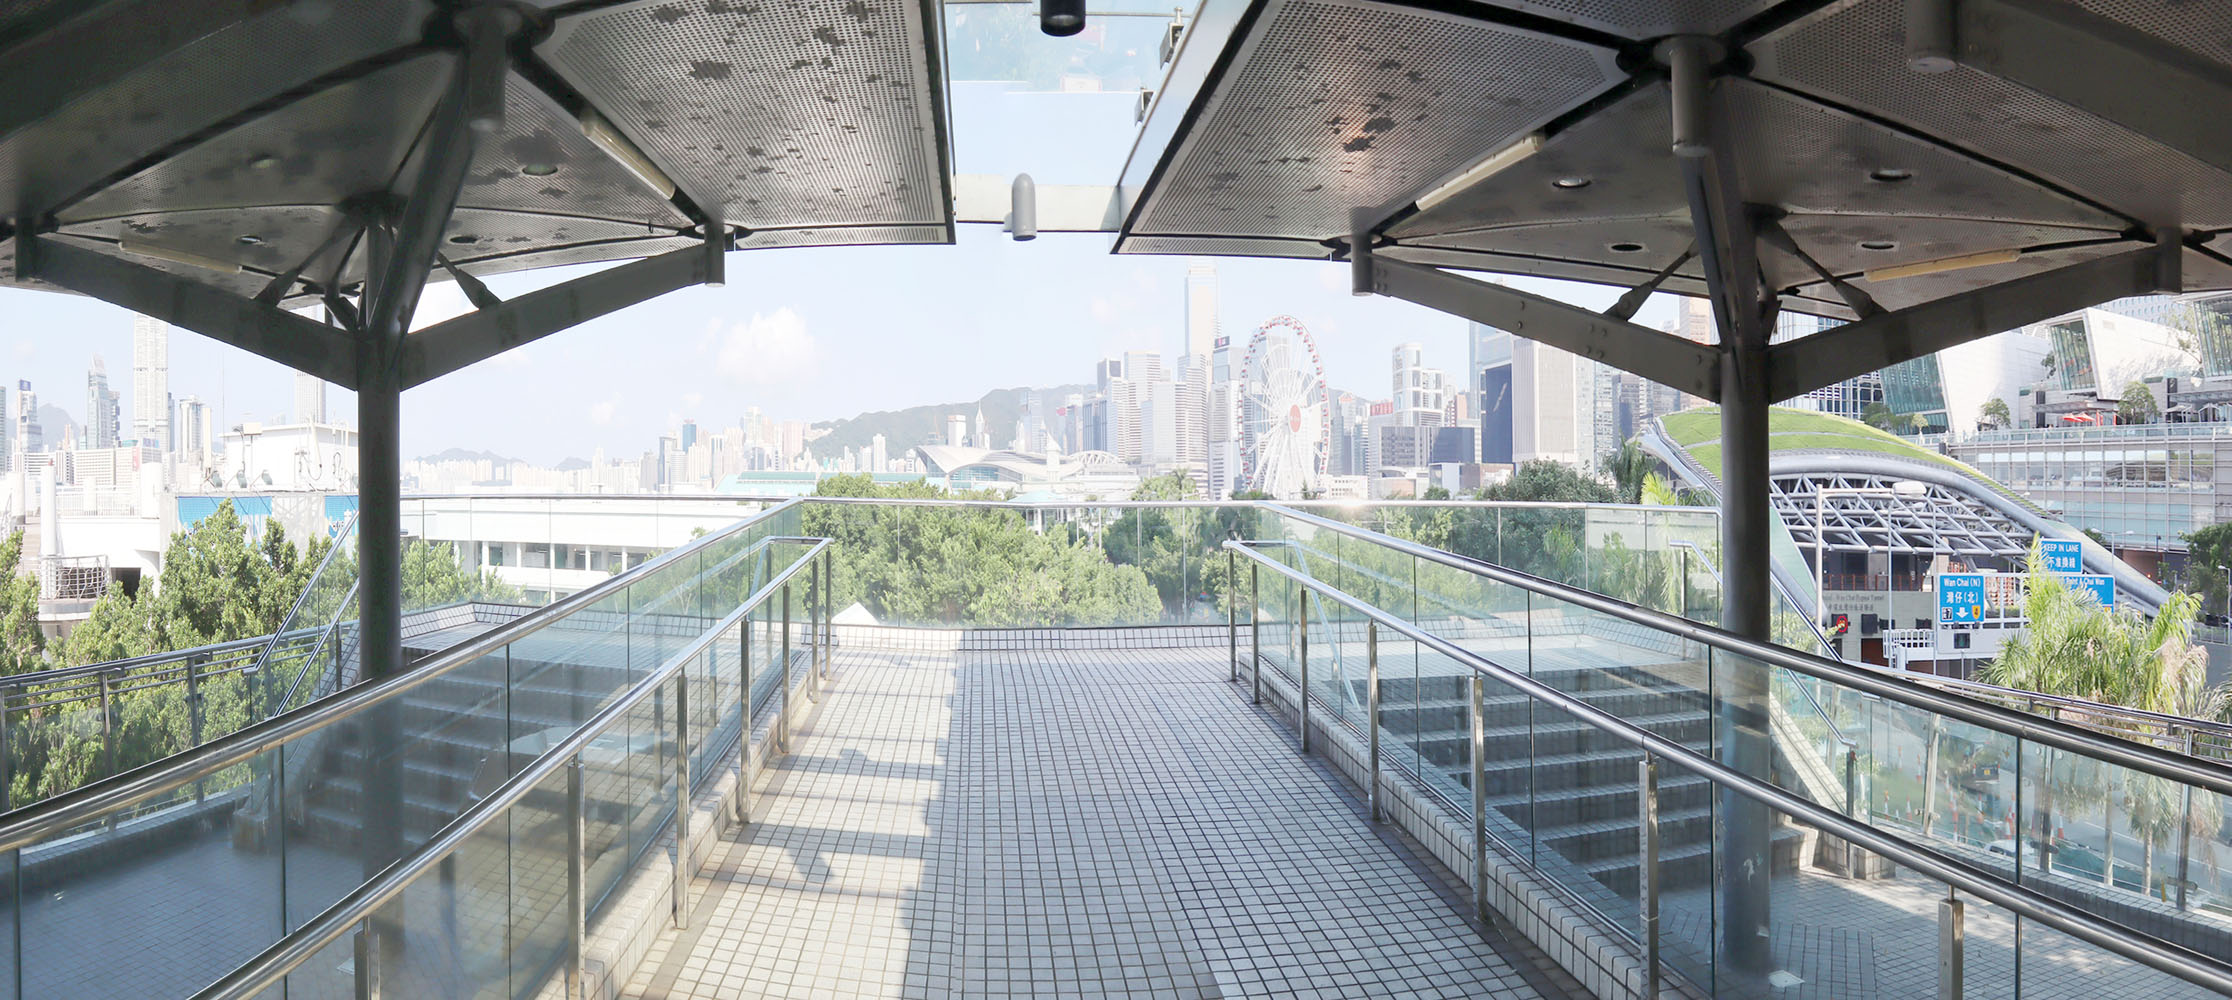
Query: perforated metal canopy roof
[
  {"x": 232, "y": 143},
  {"x": 2045, "y": 132}
]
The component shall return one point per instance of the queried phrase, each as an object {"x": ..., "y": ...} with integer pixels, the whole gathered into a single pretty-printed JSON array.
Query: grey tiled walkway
[{"x": 1064, "y": 824}]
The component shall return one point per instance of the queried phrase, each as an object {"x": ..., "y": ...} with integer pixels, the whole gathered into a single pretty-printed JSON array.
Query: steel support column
[
  {"x": 1744, "y": 311},
  {"x": 403, "y": 242}
]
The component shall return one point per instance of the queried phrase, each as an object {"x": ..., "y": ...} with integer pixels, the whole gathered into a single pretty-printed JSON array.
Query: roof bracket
[
  {"x": 281, "y": 284},
  {"x": 475, "y": 292},
  {"x": 1885, "y": 339},
  {"x": 1661, "y": 357},
  {"x": 1626, "y": 308},
  {"x": 298, "y": 342},
  {"x": 1771, "y": 232},
  {"x": 445, "y": 347}
]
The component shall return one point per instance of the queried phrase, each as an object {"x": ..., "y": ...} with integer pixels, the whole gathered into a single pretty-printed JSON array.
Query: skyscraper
[
  {"x": 1544, "y": 398},
  {"x": 310, "y": 399},
  {"x": 190, "y": 427},
  {"x": 151, "y": 382},
  {"x": 1419, "y": 391},
  {"x": 101, "y": 414},
  {"x": 1490, "y": 381},
  {"x": 689, "y": 434},
  {"x": 1201, "y": 309},
  {"x": 28, "y": 436},
  {"x": 957, "y": 430}
]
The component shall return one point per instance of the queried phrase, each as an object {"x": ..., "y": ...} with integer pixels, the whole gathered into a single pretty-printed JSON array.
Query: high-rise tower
[{"x": 151, "y": 419}]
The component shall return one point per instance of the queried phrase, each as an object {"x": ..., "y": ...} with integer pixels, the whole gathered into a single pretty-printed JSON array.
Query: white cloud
[
  {"x": 1103, "y": 310},
  {"x": 441, "y": 300},
  {"x": 517, "y": 357},
  {"x": 25, "y": 350},
  {"x": 768, "y": 350},
  {"x": 693, "y": 400},
  {"x": 602, "y": 412}
]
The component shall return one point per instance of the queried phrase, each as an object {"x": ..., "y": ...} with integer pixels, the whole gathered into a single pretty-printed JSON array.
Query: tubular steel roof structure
[
  {"x": 1972, "y": 143},
  {"x": 272, "y": 151}
]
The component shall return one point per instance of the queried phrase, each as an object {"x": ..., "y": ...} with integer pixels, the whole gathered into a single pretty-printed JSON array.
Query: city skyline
[{"x": 708, "y": 353}]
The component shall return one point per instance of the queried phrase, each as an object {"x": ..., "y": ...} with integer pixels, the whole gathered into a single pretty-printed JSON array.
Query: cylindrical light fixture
[
  {"x": 1061, "y": 18},
  {"x": 1023, "y": 215}
]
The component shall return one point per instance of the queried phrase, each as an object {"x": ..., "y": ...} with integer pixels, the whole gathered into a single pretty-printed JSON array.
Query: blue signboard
[
  {"x": 2101, "y": 587},
  {"x": 2062, "y": 555},
  {"x": 1960, "y": 598}
]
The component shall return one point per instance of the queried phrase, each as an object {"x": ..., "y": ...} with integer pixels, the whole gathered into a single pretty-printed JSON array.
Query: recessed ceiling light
[
  {"x": 1878, "y": 245},
  {"x": 249, "y": 240},
  {"x": 462, "y": 239},
  {"x": 264, "y": 161},
  {"x": 1889, "y": 175},
  {"x": 1626, "y": 248},
  {"x": 539, "y": 169},
  {"x": 1570, "y": 183}
]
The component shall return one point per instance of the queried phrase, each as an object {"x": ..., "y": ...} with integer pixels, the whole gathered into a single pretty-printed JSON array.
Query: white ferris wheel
[{"x": 1286, "y": 421}]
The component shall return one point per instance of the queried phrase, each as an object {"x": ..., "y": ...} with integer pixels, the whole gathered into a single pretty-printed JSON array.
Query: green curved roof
[{"x": 1697, "y": 430}]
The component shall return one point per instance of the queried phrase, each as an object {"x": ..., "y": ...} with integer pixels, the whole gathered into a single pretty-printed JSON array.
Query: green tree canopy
[
  {"x": 2209, "y": 552},
  {"x": 1878, "y": 415},
  {"x": 22, "y": 645},
  {"x": 1994, "y": 413},
  {"x": 2138, "y": 404},
  {"x": 982, "y": 566},
  {"x": 1549, "y": 480}
]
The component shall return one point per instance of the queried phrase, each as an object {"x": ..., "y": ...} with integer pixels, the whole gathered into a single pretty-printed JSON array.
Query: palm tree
[
  {"x": 2076, "y": 648},
  {"x": 1629, "y": 466},
  {"x": 1657, "y": 491}
]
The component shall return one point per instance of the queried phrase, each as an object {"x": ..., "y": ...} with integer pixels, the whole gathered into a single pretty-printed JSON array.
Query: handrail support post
[
  {"x": 1372, "y": 711},
  {"x": 1950, "y": 944},
  {"x": 1647, "y": 874},
  {"x": 1302, "y": 672},
  {"x": 1255, "y": 633},
  {"x": 577, "y": 908},
  {"x": 1232, "y": 609},
  {"x": 682, "y": 799},
  {"x": 1477, "y": 722},
  {"x": 783, "y": 721},
  {"x": 367, "y": 942},
  {"x": 744, "y": 728}
]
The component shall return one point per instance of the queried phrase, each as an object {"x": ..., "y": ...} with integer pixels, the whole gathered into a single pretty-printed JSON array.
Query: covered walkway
[{"x": 1069, "y": 823}]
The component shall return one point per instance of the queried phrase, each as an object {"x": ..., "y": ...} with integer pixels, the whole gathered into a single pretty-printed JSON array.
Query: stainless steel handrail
[
  {"x": 1811, "y": 702},
  {"x": 275, "y": 962},
  {"x": 1063, "y": 504},
  {"x": 295, "y": 610},
  {"x": 36, "y": 678},
  {"x": 30, "y": 824},
  {"x": 324, "y": 634},
  {"x": 2205, "y": 774},
  {"x": 2189, "y": 965}
]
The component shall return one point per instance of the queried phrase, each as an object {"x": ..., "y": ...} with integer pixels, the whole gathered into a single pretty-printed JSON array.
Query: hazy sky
[{"x": 813, "y": 334}]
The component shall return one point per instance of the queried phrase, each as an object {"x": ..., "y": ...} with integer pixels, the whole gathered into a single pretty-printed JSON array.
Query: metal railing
[
  {"x": 654, "y": 601},
  {"x": 26, "y": 826},
  {"x": 358, "y": 909},
  {"x": 1959, "y": 874},
  {"x": 1890, "y": 687}
]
